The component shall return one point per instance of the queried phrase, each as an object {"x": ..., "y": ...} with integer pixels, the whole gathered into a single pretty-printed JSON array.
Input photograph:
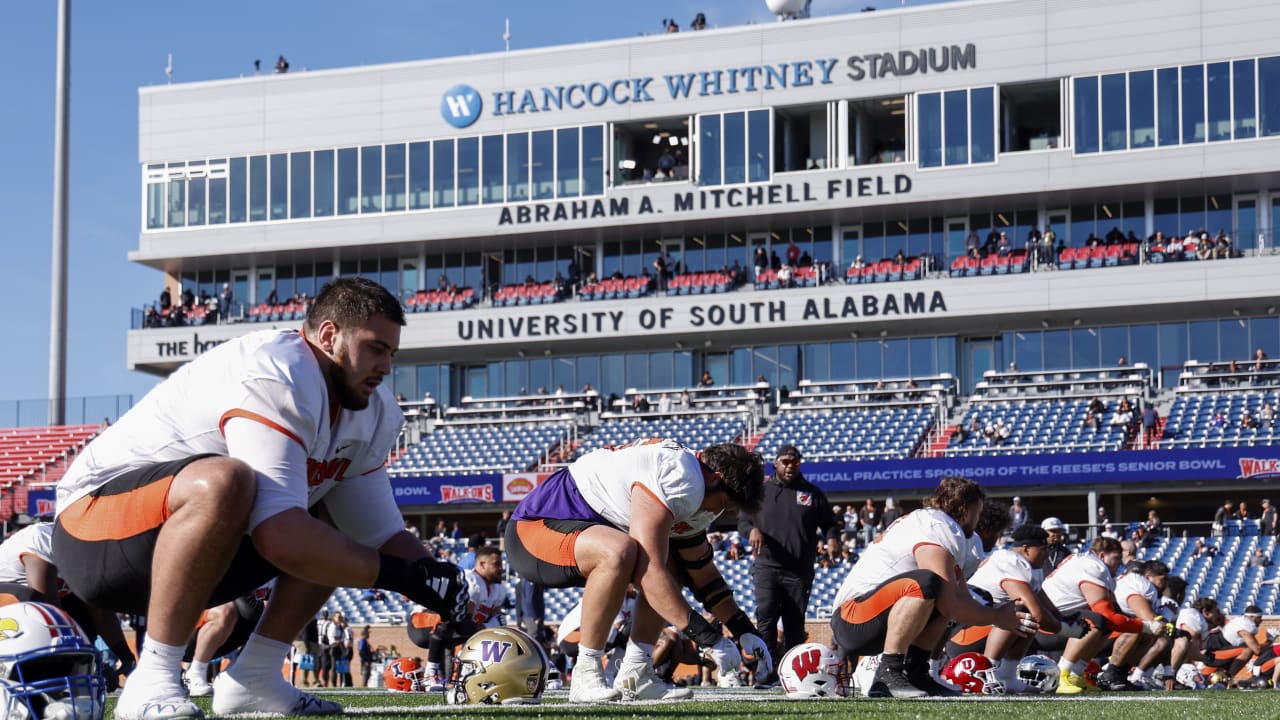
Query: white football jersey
[
  {"x": 262, "y": 398},
  {"x": 35, "y": 540},
  {"x": 573, "y": 620},
  {"x": 1063, "y": 586},
  {"x": 893, "y": 553},
  {"x": 1001, "y": 566},
  {"x": 973, "y": 556},
  {"x": 488, "y": 598},
  {"x": 1231, "y": 631},
  {"x": 1192, "y": 621},
  {"x": 1135, "y": 584},
  {"x": 667, "y": 470}
]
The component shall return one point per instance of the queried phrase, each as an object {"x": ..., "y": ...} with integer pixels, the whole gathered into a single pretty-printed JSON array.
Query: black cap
[
  {"x": 1029, "y": 535},
  {"x": 785, "y": 450}
]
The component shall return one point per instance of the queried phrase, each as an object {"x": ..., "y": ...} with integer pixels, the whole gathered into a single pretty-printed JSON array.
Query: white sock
[
  {"x": 198, "y": 669},
  {"x": 261, "y": 657},
  {"x": 590, "y": 657},
  {"x": 638, "y": 652},
  {"x": 433, "y": 668},
  {"x": 162, "y": 663}
]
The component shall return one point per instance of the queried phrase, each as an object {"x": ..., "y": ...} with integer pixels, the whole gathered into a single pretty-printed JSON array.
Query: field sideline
[{"x": 756, "y": 705}]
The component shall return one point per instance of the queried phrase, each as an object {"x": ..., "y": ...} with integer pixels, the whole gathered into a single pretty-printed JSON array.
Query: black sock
[{"x": 893, "y": 661}]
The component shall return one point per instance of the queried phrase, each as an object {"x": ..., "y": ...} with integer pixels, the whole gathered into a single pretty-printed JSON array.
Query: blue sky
[{"x": 119, "y": 47}]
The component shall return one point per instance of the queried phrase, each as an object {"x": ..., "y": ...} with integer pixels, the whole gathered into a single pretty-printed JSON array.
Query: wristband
[
  {"x": 702, "y": 633},
  {"x": 740, "y": 625}
]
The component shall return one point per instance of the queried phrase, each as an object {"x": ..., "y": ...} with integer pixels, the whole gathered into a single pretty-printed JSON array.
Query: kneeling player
[
  {"x": 484, "y": 610},
  {"x": 902, "y": 592}
]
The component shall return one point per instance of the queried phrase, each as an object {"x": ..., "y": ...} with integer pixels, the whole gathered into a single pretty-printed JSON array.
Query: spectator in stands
[
  {"x": 640, "y": 403},
  {"x": 664, "y": 403},
  {"x": 1248, "y": 421},
  {"x": 1260, "y": 559},
  {"x": 1018, "y": 514},
  {"x": 1267, "y": 520},
  {"x": 1226, "y": 520},
  {"x": 890, "y": 515},
  {"x": 1173, "y": 249},
  {"x": 856, "y": 267},
  {"x": 1203, "y": 549},
  {"x": 868, "y": 520},
  {"x": 1152, "y": 525},
  {"x": 1124, "y": 419},
  {"x": 1243, "y": 511},
  {"x": 1004, "y": 247},
  {"x": 793, "y": 253},
  {"x": 150, "y": 318},
  {"x": 1267, "y": 415},
  {"x": 1094, "y": 413},
  {"x": 761, "y": 261},
  {"x": 1218, "y": 421},
  {"x": 225, "y": 301},
  {"x": 775, "y": 262},
  {"x": 806, "y": 260},
  {"x": 785, "y": 276},
  {"x": 364, "y": 651},
  {"x": 662, "y": 266},
  {"x": 166, "y": 300},
  {"x": 1150, "y": 418},
  {"x": 707, "y": 380},
  {"x": 1103, "y": 519}
]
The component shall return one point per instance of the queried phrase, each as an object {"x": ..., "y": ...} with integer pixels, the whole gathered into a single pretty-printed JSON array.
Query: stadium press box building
[{"x": 854, "y": 137}]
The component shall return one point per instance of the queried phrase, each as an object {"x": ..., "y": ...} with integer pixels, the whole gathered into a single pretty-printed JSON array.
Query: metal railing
[{"x": 86, "y": 410}]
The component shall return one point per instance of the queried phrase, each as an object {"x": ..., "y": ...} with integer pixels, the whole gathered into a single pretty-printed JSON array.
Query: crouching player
[
  {"x": 905, "y": 589},
  {"x": 484, "y": 610},
  {"x": 638, "y": 513}
]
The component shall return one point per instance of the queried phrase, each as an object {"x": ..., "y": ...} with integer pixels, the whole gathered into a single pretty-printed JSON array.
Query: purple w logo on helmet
[{"x": 493, "y": 650}]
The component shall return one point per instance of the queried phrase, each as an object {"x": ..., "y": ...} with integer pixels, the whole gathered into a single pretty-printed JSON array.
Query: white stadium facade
[{"x": 893, "y": 148}]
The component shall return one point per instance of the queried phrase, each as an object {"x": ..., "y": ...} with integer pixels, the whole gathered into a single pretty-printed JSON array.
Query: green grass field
[{"x": 756, "y": 705}]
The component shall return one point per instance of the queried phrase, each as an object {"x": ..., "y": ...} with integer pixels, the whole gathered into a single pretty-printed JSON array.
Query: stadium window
[
  {"x": 300, "y": 185},
  {"x": 800, "y": 138},
  {"x": 758, "y": 146},
  {"x": 1269, "y": 96},
  {"x": 1265, "y": 333},
  {"x": 492, "y": 162},
  {"x": 568, "y": 172},
  {"x": 468, "y": 171},
  {"x": 817, "y": 361},
  {"x": 930, "y": 129},
  {"x": 593, "y": 160},
  {"x": 735, "y": 148},
  {"x": 278, "y": 186},
  {"x": 196, "y": 200},
  {"x": 419, "y": 175},
  {"x": 1244, "y": 110},
  {"x": 237, "y": 190},
  {"x": 348, "y": 181},
  {"x": 955, "y": 127},
  {"x": 982, "y": 125},
  {"x": 257, "y": 188},
  {"x": 710, "y": 150},
  {"x": 1028, "y": 350},
  {"x": 1245, "y": 236},
  {"x": 442, "y": 186},
  {"x": 1114, "y": 112},
  {"x": 1168, "y": 124},
  {"x": 1219, "y": 101},
  {"x": 394, "y": 176},
  {"x": 877, "y": 131},
  {"x": 218, "y": 198},
  {"x": 517, "y": 167},
  {"x": 176, "y": 199},
  {"x": 1142, "y": 109},
  {"x": 322, "y": 176},
  {"x": 155, "y": 202},
  {"x": 544, "y": 164},
  {"x": 1084, "y": 348},
  {"x": 371, "y": 179},
  {"x": 1031, "y": 116},
  {"x": 1085, "y": 103},
  {"x": 1193, "y": 130}
]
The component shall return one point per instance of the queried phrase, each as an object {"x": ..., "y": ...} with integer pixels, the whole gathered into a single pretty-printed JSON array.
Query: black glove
[
  {"x": 704, "y": 634},
  {"x": 439, "y": 586}
]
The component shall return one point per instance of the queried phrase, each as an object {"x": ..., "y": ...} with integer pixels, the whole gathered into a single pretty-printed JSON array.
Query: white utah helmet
[
  {"x": 48, "y": 668},
  {"x": 1039, "y": 673},
  {"x": 811, "y": 670}
]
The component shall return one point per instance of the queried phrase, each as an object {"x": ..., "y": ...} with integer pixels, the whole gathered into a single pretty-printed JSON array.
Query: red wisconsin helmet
[
  {"x": 974, "y": 674},
  {"x": 405, "y": 675}
]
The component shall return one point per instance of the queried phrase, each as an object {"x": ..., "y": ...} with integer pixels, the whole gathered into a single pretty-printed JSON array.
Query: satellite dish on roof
[{"x": 785, "y": 7}]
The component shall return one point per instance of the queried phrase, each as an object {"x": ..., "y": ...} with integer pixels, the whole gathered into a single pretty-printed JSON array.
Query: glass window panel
[
  {"x": 1193, "y": 130},
  {"x": 1217, "y": 215},
  {"x": 923, "y": 361},
  {"x": 1142, "y": 109},
  {"x": 1173, "y": 351},
  {"x": 348, "y": 181},
  {"x": 393, "y": 166},
  {"x": 982, "y": 113},
  {"x": 177, "y": 203},
  {"x": 758, "y": 152},
  {"x": 492, "y": 162},
  {"x": 1086, "y": 114},
  {"x": 468, "y": 171},
  {"x": 195, "y": 201},
  {"x": 955, "y": 118},
  {"x": 1084, "y": 348},
  {"x": 404, "y": 379},
  {"x": 1115, "y": 345},
  {"x": 562, "y": 375},
  {"x": 236, "y": 190},
  {"x": 1265, "y": 333},
  {"x": 637, "y": 371},
  {"x": 1219, "y": 96},
  {"x": 1028, "y": 350},
  {"x": 661, "y": 370},
  {"x": 279, "y": 200},
  {"x": 1269, "y": 96},
  {"x": 300, "y": 185},
  {"x": 709, "y": 169},
  {"x": 1244, "y": 103},
  {"x": 517, "y": 167},
  {"x": 322, "y": 180},
  {"x": 930, "y": 107},
  {"x": 1082, "y": 225},
  {"x": 817, "y": 362},
  {"x": 544, "y": 164},
  {"x": 1203, "y": 339},
  {"x": 787, "y": 367},
  {"x": 869, "y": 359},
  {"x": 217, "y": 200},
  {"x": 593, "y": 160},
  {"x": 1246, "y": 234},
  {"x": 515, "y": 377},
  {"x": 419, "y": 175},
  {"x": 947, "y": 348},
  {"x": 442, "y": 174},
  {"x": 1167, "y": 116},
  {"x": 1165, "y": 212},
  {"x": 257, "y": 188},
  {"x": 842, "y": 364},
  {"x": 371, "y": 179},
  {"x": 735, "y": 148},
  {"x": 1114, "y": 118},
  {"x": 1057, "y": 349},
  {"x": 567, "y": 177},
  {"x": 588, "y": 372},
  {"x": 896, "y": 359},
  {"x": 540, "y": 373}
]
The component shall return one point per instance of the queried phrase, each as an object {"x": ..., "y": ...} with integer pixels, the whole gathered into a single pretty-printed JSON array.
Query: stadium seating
[
  {"x": 527, "y": 294},
  {"x": 616, "y": 288},
  {"x": 438, "y": 300},
  {"x": 696, "y": 431},
  {"x": 1213, "y": 419},
  {"x": 26, "y": 453},
  {"x": 480, "y": 449},
  {"x": 850, "y": 435},
  {"x": 1047, "y": 426}
]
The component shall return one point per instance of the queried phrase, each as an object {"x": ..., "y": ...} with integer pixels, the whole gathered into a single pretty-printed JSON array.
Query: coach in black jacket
[{"x": 784, "y": 536}]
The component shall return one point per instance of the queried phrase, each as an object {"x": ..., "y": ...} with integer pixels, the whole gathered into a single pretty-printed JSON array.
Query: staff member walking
[{"x": 794, "y": 516}]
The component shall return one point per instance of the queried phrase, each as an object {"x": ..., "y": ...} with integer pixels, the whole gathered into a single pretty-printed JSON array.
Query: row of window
[
  {"x": 540, "y": 165},
  {"x": 1213, "y": 102},
  {"x": 1160, "y": 345},
  {"x": 957, "y": 127}
]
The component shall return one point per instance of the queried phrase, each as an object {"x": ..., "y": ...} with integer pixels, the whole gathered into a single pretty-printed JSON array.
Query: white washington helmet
[
  {"x": 811, "y": 670},
  {"x": 1039, "y": 673},
  {"x": 500, "y": 666},
  {"x": 48, "y": 668}
]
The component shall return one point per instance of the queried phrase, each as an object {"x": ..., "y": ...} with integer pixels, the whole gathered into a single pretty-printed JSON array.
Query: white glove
[
  {"x": 753, "y": 647},
  {"x": 725, "y": 655},
  {"x": 1156, "y": 626}
]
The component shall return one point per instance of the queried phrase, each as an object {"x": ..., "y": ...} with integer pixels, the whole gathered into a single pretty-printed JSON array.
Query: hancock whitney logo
[{"x": 460, "y": 105}]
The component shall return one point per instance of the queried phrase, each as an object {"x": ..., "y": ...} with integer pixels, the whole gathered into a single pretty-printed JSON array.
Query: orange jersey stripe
[
  {"x": 115, "y": 517},
  {"x": 248, "y": 415},
  {"x": 547, "y": 545}
]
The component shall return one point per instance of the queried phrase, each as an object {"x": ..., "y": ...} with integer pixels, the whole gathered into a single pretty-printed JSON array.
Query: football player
[
  {"x": 263, "y": 457},
  {"x": 488, "y": 596},
  {"x": 638, "y": 513},
  {"x": 1138, "y": 595},
  {"x": 1087, "y": 582},
  {"x": 907, "y": 586},
  {"x": 1234, "y": 644}
]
